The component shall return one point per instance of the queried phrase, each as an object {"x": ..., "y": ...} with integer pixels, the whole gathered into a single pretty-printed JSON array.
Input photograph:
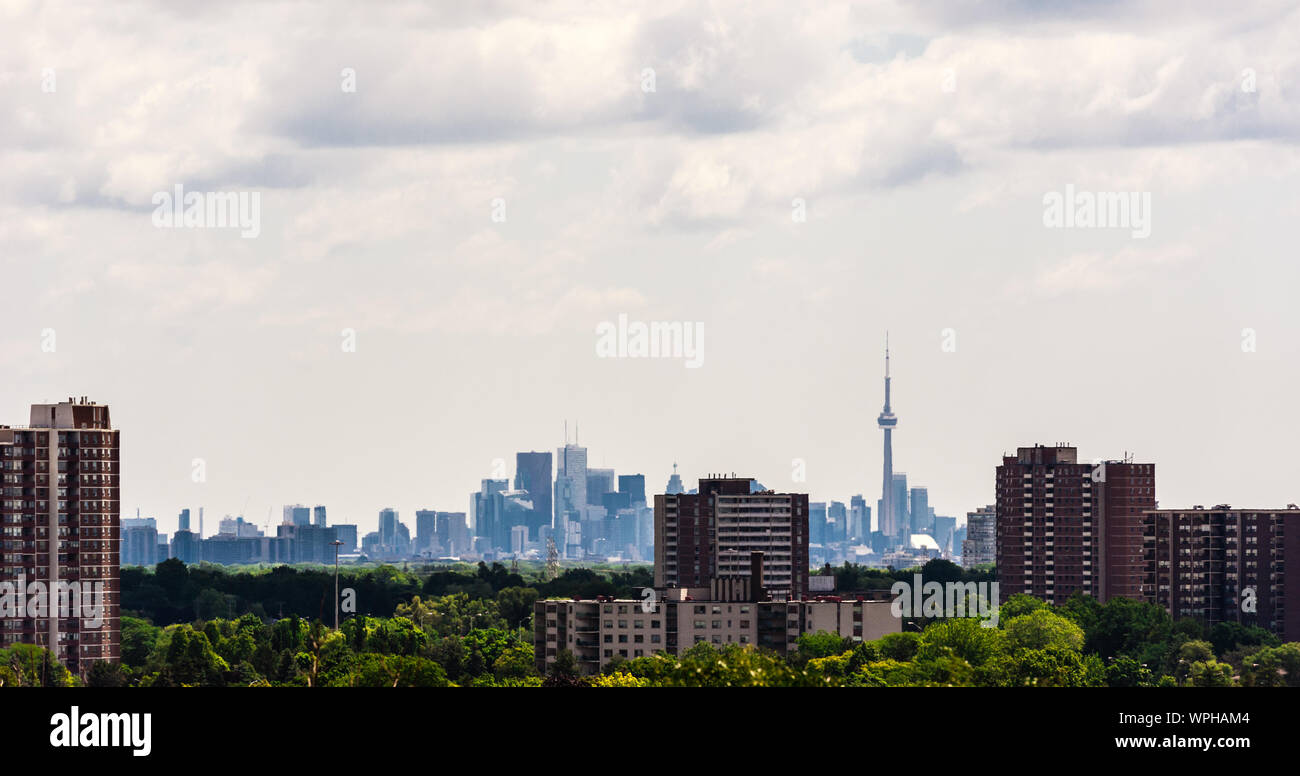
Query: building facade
[
  {"x": 980, "y": 545},
  {"x": 1065, "y": 526},
  {"x": 533, "y": 474},
  {"x": 61, "y": 517},
  {"x": 598, "y": 631},
  {"x": 1225, "y": 565},
  {"x": 711, "y": 533}
]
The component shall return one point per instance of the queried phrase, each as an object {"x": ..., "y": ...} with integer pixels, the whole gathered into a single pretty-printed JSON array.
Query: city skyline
[{"x": 450, "y": 206}]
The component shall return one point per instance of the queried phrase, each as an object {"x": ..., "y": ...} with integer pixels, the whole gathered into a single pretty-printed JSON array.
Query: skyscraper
[
  {"x": 634, "y": 486},
  {"x": 297, "y": 514},
  {"x": 902, "y": 517},
  {"x": 920, "y": 511},
  {"x": 674, "y": 486},
  {"x": 64, "y": 528},
  {"x": 388, "y": 523},
  {"x": 425, "y": 529},
  {"x": 488, "y": 521},
  {"x": 599, "y": 482},
  {"x": 570, "y": 496},
  {"x": 533, "y": 474},
  {"x": 859, "y": 518},
  {"x": 318, "y": 517},
  {"x": 888, "y": 421},
  {"x": 183, "y": 520}
]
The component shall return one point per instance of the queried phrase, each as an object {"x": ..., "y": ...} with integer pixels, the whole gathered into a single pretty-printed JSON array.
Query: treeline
[
  {"x": 456, "y": 640},
  {"x": 364, "y": 652},
  {"x": 173, "y": 593}
]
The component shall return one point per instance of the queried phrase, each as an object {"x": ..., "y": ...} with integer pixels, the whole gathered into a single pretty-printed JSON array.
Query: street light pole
[{"x": 336, "y": 544}]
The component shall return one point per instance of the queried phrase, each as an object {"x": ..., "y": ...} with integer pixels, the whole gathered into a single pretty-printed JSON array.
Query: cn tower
[{"x": 887, "y": 421}]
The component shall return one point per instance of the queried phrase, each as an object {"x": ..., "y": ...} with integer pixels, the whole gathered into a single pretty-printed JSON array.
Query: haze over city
[{"x": 798, "y": 181}]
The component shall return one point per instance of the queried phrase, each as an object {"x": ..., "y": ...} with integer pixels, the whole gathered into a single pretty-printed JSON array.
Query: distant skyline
[{"x": 453, "y": 199}]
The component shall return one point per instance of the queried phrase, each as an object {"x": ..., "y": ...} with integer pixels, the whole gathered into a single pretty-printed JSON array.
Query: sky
[{"x": 452, "y": 199}]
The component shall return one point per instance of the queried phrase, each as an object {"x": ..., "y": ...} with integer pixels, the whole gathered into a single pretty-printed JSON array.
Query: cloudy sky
[{"x": 503, "y": 177}]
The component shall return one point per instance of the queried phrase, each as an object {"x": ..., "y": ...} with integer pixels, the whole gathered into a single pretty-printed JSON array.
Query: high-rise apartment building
[
  {"x": 318, "y": 516},
  {"x": 1226, "y": 565},
  {"x": 1064, "y": 526},
  {"x": 980, "y": 546},
  {"x": 711, "y": 534},
  {"x": 60, "y": 514}
]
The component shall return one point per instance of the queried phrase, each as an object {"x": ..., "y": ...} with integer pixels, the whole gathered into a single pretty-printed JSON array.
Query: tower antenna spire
[{"x": 890, "y": 521}]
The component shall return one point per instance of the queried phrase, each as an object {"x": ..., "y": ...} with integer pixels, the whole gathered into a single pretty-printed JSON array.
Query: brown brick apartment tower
[
  {"x": 1226, "y": 565},
  {"x": 59, "y": 510},
  {"x": 713, "y": 533},
  {"x": 1064, "y": 526}
]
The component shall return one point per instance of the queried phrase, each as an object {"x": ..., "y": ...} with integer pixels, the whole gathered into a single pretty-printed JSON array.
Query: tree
[
  {"x": 822, "y": 644},
  {"x": 1124, "y": 671},
  {"x": 1019, "y": 605},
  {"x": 899, "y": 646},
  {"x": 962, "y": 637},
  {"x": 189, "y": 657},
  {"x": 1042, "y": 629},
  {"x": 516, "y": 604},
  {"x": 27, "y": 665},
  {"x": 515, "y": 662},
  {"x": 1210, "y": 673},
  {"x": 564, "y": 671},
  {"x": 138, "y": 640},
  {"x": 397, "y": 671},
  {"x": 105, "y": 674}
]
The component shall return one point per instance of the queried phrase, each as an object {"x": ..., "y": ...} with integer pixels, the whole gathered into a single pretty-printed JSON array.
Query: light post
[{"x": 336, "y": 543}]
